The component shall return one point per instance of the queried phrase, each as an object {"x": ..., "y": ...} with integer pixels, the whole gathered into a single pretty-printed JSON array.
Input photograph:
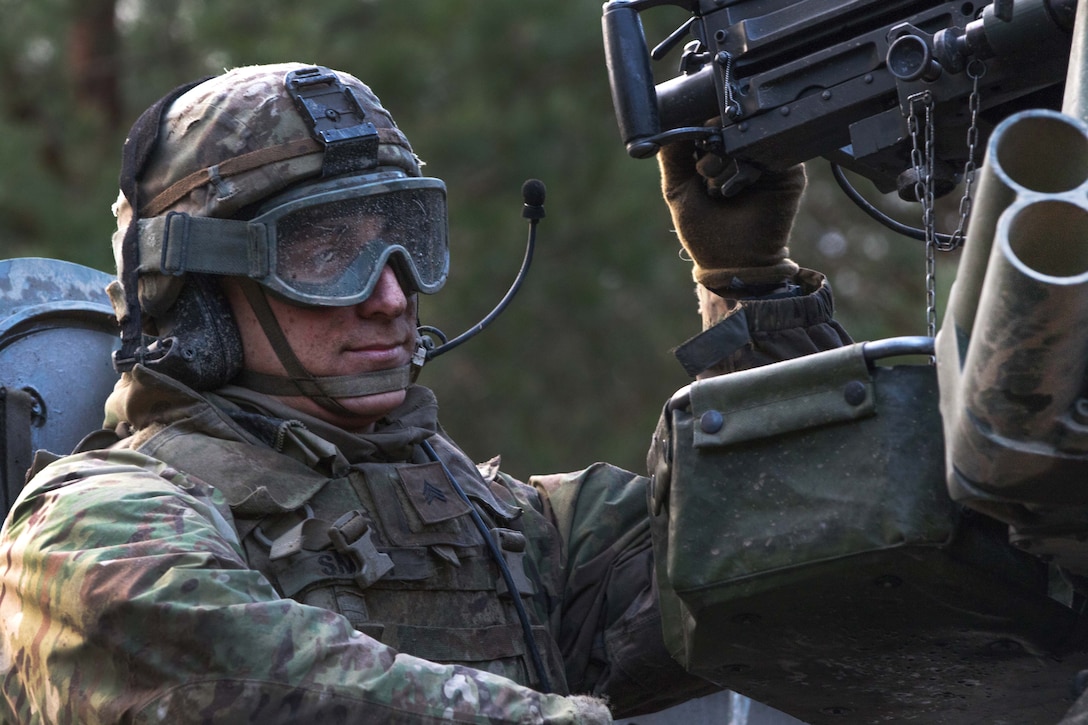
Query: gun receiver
[{"x": 793, "y": 80}]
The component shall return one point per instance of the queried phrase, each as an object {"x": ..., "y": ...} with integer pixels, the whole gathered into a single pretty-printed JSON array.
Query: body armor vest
[{"x": 389, "y": 545}]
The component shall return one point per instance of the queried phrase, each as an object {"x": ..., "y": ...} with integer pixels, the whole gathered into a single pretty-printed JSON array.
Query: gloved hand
[{"x": 738, "y": 240}]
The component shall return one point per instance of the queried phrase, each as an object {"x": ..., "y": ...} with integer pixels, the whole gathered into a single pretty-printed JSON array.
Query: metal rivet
[
  {"x": 826, "y": 95},
  {"x": 854, "y": 392},
  {"x": 711, "y": 421},
  {"x": 37, "y": 407},
  {"x": 784, "y": 110},
  {"x": 836, "y": 710}
]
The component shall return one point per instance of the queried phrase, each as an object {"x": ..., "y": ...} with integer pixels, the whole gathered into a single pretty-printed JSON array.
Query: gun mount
[
  {"x": 1013, "y": 348},
  {"x": 875, "y": 556},
  {"x": 832, "y": 542},
  {"x": 794, "y": 80}
]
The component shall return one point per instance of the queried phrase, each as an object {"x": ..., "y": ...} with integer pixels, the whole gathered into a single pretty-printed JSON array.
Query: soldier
[{"x": 274, "y": 527}]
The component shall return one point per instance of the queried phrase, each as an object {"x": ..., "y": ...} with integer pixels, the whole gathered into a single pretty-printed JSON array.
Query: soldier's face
[{"x": 376, "y": 334}]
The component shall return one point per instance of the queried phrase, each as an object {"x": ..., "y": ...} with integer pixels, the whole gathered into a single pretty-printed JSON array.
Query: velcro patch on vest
[
  {"x": 324, "y": 567},
  {"x": 431, "y": 493}
]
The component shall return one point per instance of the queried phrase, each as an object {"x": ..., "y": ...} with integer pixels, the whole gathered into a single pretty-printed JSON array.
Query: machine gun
[
  {"x": 854, "y": 542},
  {"x": 793, "y": 80}
]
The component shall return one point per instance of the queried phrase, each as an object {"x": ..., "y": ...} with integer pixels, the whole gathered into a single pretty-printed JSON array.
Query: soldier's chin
[
  {"x": 365, "y": 410},
  {"x": 359, "y": 414}
]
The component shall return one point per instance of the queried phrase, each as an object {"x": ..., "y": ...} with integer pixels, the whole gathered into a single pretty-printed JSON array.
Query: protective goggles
[{"x": 325, "y": 248}]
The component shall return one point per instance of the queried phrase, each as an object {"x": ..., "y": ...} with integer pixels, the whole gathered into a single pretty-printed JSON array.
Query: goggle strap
[
  {"x": 177, "y": 243},
  {"x": 300, "y": 379}
]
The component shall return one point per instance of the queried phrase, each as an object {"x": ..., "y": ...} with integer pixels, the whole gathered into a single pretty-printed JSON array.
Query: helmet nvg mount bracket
[{"x": 336, "y": 119}]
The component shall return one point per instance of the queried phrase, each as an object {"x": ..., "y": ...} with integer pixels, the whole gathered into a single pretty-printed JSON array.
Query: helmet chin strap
[{"x": 299, "y": 381}]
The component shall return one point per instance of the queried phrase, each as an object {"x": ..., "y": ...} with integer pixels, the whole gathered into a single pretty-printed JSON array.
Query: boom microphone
[{"x": 532, "y": 193}]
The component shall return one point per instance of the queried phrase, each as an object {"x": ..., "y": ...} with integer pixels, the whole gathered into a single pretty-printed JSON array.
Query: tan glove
[{"x": 735, "y": 241}]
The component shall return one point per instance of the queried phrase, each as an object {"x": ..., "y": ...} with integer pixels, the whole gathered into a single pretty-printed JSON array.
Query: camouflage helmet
[
  {"x": 218, "y": 151},
  {"x": 197, "y": 165}
]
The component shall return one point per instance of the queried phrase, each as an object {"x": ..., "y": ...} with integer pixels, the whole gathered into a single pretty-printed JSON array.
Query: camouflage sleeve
[
  {"x": 610, "y": 630},
  {"x": 125, "y": 598}
]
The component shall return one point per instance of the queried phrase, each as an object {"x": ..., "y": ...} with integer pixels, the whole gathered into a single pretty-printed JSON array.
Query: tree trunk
[{"x": 94, "y": 59}]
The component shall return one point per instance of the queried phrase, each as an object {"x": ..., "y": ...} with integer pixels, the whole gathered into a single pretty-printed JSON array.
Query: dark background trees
[{"x": 491, "y": 92}]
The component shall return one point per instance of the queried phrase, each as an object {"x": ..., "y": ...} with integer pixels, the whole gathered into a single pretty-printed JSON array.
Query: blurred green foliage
[{"x": 491, "y": 92}]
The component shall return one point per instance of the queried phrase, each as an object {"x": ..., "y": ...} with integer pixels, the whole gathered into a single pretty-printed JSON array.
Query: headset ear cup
[{"x": 204, "y": 346}]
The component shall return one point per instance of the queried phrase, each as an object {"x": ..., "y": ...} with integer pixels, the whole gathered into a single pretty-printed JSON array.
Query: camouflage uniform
[
  {"x": 138, "y": 583},
  {"x": 219, "y": 556}
]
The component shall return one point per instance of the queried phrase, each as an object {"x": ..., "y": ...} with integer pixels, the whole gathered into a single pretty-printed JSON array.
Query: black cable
[
  {"x": 864, "y": 204},
  {"x": 493, "y": 547},
  {"x": 533, "y": 192},
  {"x": 479, "y": 326}
]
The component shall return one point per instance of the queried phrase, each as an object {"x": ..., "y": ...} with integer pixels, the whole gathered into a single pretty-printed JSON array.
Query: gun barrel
[
  {"x": 1037, "y": 152},
  {"x": 1026, "y": 362},
  {"x": 1075, "y": 100},
  {"x": 1013, "y": 348}
]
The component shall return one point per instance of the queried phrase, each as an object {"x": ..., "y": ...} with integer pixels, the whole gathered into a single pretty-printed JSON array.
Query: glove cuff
[{"x": 725, "y": 277}]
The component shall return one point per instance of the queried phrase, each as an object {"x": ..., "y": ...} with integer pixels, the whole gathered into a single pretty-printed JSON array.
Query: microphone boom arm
[{"x": 533, "y": 192}]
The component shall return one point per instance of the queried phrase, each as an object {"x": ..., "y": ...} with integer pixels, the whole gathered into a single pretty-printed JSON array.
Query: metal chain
[
  {"x": 931, "y": 229},
  {"x": 922, "y": 159},
  {"x": 975, "y": 70},
  {"x": 921, "y": 156}
]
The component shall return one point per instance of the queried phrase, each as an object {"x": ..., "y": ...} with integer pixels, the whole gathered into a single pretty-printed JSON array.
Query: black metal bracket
[{"x": 336, "y": 118}]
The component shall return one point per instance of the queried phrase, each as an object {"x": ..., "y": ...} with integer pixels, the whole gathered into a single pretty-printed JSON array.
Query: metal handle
[
  {"x": 634, "y": 95},
  {"x": 871, "y": 351},
  {"x": 895, "y": 346}
]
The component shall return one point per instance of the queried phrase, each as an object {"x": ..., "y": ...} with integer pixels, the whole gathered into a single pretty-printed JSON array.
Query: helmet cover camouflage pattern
[{"x": 241, "y": 111}]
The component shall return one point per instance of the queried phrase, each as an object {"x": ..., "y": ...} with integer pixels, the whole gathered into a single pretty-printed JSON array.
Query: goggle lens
[{"x": 333, "y": 252}]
